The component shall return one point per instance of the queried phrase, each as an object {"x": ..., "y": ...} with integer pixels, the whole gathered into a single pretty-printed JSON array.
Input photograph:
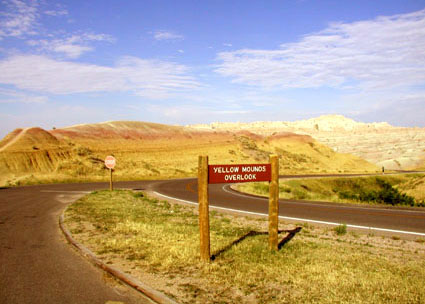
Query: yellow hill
[
  {"x": 148, "y": 150},
  {"x": 31, "y": 150},
  {"x": 119, "y": 130},
  {"x": 28, "y": 140},
  {"x": 9, "y": 138}
]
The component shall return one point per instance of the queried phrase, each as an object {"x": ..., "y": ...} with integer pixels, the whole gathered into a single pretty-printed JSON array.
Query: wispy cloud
[
  {"x": 149, "y": 78},
  {"x": 379, "y": 53},
  {"x": 408, "y": 113},
  {"x": 59, "y": 12},
  {"x": 56, "y": 10},
  {"x": 12, "y": 96},
  {"x": 73, "y": 46},
  {"x": 167, "y": 35},
  {"x": 18, "y": 19},
  {"x": 194, "y": 113},
  {"x": 403, "y": 108}
]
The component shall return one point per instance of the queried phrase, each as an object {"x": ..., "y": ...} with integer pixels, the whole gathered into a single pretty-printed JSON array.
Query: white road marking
[
  {"x": 242, "y": 195},
  {"x": 64, "y": 191},
  {"x": 296, "y": 218}
]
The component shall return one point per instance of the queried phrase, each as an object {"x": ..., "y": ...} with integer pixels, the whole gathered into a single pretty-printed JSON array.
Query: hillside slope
[
  {"x": 30, "y": 150},
  {"x": 147, "y": 150},
  {"x": 28, "y": 139},
  {"x": 379, "y": 143}
]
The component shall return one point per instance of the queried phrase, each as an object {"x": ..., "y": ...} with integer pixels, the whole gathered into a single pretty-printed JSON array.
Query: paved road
[
  {"x": 38, "y": 266},
  {"x": 405, "y": 220},
  {"x": 36, "y": 263}
]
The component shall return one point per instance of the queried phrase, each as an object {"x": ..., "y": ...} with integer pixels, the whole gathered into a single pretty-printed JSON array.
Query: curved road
[
  {"x": 38, "y": 266},
  {"x": 393, "y": 220}
]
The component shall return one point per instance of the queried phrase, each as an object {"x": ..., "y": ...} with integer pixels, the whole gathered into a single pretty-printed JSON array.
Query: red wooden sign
[{"x": 218, "y": 174}]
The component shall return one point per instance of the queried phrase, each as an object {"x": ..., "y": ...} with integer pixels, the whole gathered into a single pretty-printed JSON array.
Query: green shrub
[
  {"x": 386, "y": 194},
  {"x": 138, "y": 194},
  {"x": 341, "y": 229},
  {"x": 261, "y": 187}
]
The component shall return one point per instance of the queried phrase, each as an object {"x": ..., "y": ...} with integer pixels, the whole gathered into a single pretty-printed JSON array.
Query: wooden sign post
[
  {"x": 274, "y": 203},
  {"x": 204, "y": 220},
  {"x": 215, "y": 174},
  {"x": 111, "y": 187},
  {"x": 110, "y": 163}
]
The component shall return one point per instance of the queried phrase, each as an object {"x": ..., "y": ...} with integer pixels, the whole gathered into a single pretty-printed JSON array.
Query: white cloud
[
  {"x": 380, "y": 53},
  {"x": 96, "y": 37},
  {"x": 138, "y": 76},
  {"x": 231, "y": 112},
  {"x": 399, "y": 110},
  {"x": 25, "y": 99},
  {"x": 59, "y": 12},
  {"x": 167, "y": 35},
  {"x": 18, "y": 19},
  {"x": 194, "y": 113},
  {"x": 71, "y": 50},
  {"x": 73, "y": 46},
  {"x": 12, "y": 96}
]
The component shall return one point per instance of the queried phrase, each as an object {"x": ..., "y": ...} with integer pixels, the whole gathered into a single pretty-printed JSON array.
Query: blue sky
[{"x": 183, "y": 62}]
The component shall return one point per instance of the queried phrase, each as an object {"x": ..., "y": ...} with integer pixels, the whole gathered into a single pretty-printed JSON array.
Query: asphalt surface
[
  {"x": 38, "y": 266},
  {"x": 398, "y": 219},
  {"x": 36, "y": 263}
]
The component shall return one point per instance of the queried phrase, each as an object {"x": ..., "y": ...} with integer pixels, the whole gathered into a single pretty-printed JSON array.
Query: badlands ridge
[
  {"x": 148, "y": 150},
  {"x": 327, "y": 144},
  {"x": 379, "y": 143}
]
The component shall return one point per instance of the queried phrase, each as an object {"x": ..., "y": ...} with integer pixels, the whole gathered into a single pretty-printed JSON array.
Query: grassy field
[
  {"x": 406, "y": 190},
  {"x": 158, "y": 242}
]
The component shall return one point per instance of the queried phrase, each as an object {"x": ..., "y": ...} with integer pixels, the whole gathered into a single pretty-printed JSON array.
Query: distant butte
[{"x": 379, "y": 143}]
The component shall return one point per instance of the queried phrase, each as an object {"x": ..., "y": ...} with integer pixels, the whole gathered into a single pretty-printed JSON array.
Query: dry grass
[
  {"x": 414, "y": 186},
  {"x": 158, "y": 242}
]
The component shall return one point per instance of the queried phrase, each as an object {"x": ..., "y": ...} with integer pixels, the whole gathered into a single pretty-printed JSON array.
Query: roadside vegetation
[
  {"x": 401, "y": 190},
  {"x": 158, "y": 242}
]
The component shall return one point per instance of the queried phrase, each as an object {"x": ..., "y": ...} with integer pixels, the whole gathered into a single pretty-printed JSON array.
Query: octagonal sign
[{"x": 110, "y": 162}]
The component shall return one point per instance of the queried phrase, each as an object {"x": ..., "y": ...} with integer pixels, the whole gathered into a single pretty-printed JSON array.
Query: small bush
[
  {"x": 285, "y": 189},
  {"x": 261, "y": 187},
  {"x": 138, "y": 194},
  {"x": 341, "y": 229},
  {"x": 299, "y": 194}
]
